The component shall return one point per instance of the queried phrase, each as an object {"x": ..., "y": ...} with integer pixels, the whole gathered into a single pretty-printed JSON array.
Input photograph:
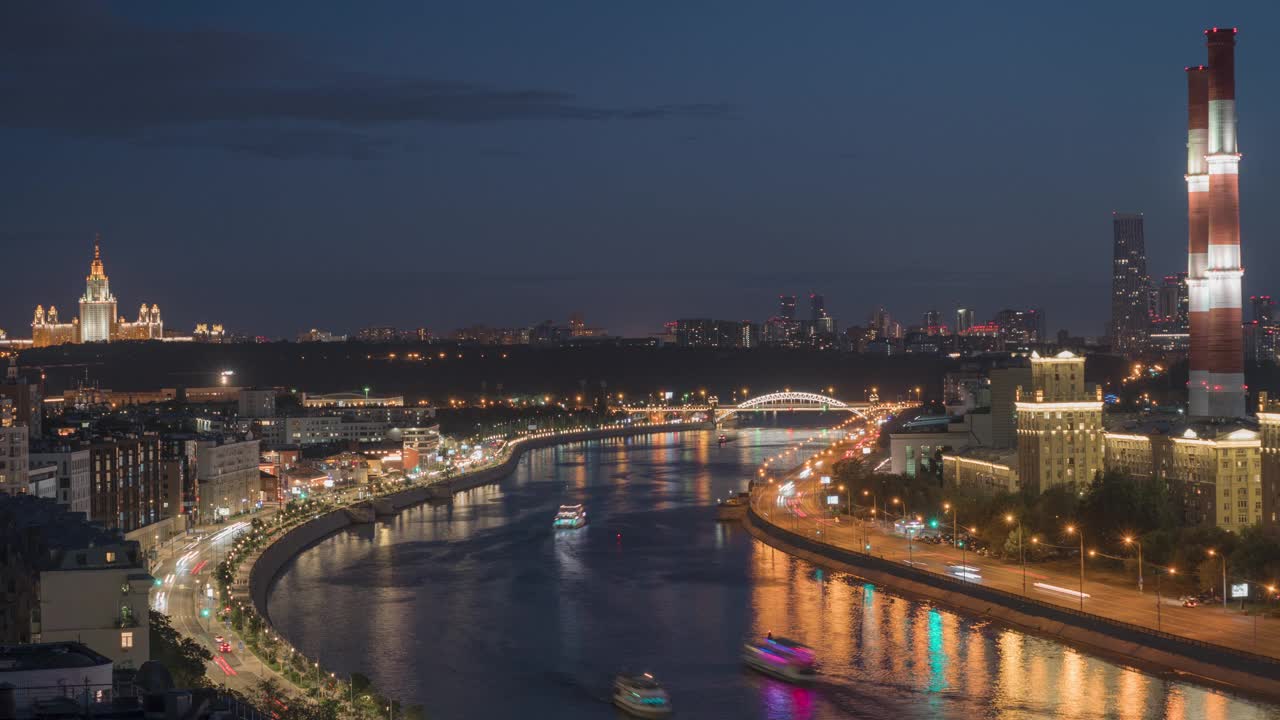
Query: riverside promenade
[
  {"x": 255, "y": 569},
  {"x": 1153, "y": 631}
]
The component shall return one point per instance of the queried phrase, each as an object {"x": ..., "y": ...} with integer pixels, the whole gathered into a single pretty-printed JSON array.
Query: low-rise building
[
  {"x": 988, "y": 469},
  {"x": 98, "y": 595},
  {"x": 919, "y": 446},
  {"x": 49, "y": 672},
  {"x": 351, "y": 400},
  {"x": 67, "y": 579}
]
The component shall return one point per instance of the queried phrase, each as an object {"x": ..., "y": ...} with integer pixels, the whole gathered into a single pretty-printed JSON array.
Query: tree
[{"x": 184, "y": 657}]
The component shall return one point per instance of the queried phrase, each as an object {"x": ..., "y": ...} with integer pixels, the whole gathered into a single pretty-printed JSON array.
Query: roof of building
[
  {"x": 48, "y": 656},
  {"x": 998, "y": 456},
  {"x": 1201, "y": 429}
]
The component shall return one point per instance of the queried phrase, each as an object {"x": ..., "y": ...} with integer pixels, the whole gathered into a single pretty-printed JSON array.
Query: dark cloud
[
  {"x": 76, "y": 69},
  {"x": 278, "y": 143}
]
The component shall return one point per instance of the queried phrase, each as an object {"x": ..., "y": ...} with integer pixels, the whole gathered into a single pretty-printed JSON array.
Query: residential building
[
  {"x": 1269, "y": 435},
  {"x": 98, "y": 595},
  {"x": 72, "y": 463},
  {"x": 42, "y": 481},
  {"x": 28, "y": 408},
  {"x": 1059, "y": 424},
  {"x": 1214, "y": 466},
  {"x": 67, "y": 579},
  {"x": 257, "y": 402},
  {"x": 124, "y": 481},
  {"x": 227, "y": 481},
  {"x": 13, "y": 451}
]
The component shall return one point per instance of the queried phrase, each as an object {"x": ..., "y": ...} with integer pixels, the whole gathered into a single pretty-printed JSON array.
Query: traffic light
[
  {"x": 204, "y": 612},
  {"x": 933, "y": 522}
]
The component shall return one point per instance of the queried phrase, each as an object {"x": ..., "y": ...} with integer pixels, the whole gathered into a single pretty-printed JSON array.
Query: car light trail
[{"x": 1065, "y": 591}]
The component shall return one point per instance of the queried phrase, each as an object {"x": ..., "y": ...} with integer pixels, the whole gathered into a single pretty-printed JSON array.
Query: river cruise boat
[
  {"x": 781, "y": 658},
  {"x": 570, "y": 517},
  {"x": 640, "y": 695}
]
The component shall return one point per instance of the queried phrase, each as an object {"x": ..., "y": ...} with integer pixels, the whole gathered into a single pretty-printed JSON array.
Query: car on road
[
  {"x": 218, "y": 639},
  {"x": 224, "y": 647},
  {"x": 1190, "y": 602}
]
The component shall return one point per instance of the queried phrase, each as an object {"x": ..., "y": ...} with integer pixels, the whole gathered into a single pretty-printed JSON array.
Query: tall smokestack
[
  {"x": 1198, "y": 233},
  {"x": 1221, "y": 390}
]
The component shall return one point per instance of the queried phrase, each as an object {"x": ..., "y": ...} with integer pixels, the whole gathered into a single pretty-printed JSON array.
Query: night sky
[{"x": 279, "y": 166}]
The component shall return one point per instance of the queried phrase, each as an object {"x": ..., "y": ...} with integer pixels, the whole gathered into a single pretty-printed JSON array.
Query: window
[
  {"x": 126, "y": 640},
  {"x": 111, "y": 557}
]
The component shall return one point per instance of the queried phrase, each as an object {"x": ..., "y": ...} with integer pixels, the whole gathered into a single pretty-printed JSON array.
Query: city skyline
[{"x": 293, "y": 221}]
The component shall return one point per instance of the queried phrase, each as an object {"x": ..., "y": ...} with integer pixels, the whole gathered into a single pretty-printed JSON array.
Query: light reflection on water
[{"x": 479, "y": 609}]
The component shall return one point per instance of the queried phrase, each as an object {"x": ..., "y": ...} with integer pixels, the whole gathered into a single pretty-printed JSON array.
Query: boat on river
[
  {"x": 733, "y": 508},
  {"x": 570, "y": 517},
  {"x": 781, "y": 658},
  {"x": 640, "y": 694}
]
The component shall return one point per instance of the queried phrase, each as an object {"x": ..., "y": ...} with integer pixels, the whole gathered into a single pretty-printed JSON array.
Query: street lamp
[
  {"x": 1134, "y": 541},
  {"x": 1022, "y": 557},
  {"x": 1213, "y": 553},
  {"x": 1072, "y": 530}
]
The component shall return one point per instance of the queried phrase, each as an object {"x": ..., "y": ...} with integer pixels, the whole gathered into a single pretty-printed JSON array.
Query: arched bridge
[{"x": 783, "y": 401}]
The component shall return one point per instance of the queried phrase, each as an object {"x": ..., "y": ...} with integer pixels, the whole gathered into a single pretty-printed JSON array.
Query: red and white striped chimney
[
  {"x": 1219, "y": 391},
  {"x": 1198, "y": 233}
]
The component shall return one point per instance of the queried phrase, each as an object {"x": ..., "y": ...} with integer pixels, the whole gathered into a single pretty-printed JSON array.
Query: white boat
[
  {"x": 781, "y": 658},
  {"x": 570, "y": 517},
  {"x": 640, "y": 695}
]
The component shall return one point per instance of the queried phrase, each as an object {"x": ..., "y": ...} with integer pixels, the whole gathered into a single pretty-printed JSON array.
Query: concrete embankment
[
  {"x": 1151, "y": 650},
  {"x": 288, "y": 545}
]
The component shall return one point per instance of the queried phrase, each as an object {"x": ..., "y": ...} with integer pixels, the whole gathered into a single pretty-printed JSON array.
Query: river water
[{"x": 480, "y": 610}]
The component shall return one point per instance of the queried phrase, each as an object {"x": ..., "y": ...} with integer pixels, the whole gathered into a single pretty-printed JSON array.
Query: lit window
[
  {"x": 126, "y": 640},
  {"x": 111, "y": 557}
]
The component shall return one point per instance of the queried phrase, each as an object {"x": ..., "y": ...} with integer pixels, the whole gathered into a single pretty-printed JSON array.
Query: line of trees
[{"x": 1109, "y": 510}]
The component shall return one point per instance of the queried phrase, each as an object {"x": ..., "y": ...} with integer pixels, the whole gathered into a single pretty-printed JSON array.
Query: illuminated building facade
[
  {"x": 97, "y": 305},
  {"x": 1059, "y": 424},
  {"x": 1269, "y": 432},
  {"x": 98, "y": 321},
  {"x": 1214, "y": 275}
]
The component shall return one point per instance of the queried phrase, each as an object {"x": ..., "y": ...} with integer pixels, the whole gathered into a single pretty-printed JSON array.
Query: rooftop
[{"x": 48, "y": 656}]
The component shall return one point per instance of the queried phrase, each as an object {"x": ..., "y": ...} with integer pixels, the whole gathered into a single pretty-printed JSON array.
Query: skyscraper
[
  {"x": 1171, "y": 303},
  {"x": 97, "y": 305},
  {"x": 787, "y": 307},
  {"x": 1129, "y": 283},
  {"x": 964, "y": 319},
  {"x": 817, "y": 308},
  {"x": 1216, "y": 386},
  {"x": 1264, "y": 309}
]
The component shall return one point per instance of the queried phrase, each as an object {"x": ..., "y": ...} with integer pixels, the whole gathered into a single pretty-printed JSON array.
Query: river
[{"x": 480, "y": 610}]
